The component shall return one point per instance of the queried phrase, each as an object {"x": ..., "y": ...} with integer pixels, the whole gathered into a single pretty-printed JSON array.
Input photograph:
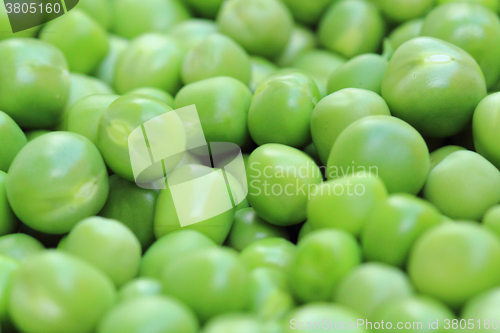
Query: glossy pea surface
[
  {"x": 139, "y": 288},
  {"x": 485, "y": 123},
  {"x": 8, "y": 221},
  {"x": 19, "y": 246},
  {"x": 13, "y": 140},
  {"x": 272, "y": 252}
]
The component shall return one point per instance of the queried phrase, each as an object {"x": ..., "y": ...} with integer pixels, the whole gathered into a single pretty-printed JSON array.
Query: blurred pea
[
  {"x": 191, "y": 32},
  {"x": 302, "y": 39}
]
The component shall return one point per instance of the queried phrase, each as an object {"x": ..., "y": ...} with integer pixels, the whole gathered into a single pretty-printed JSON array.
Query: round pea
[
  {"x": 351, "y": 28},
  {"x": 216, "y": 55},
  {"x": 12, "y": 138},
  {"x": 485, "y": 124},
  {"x": 394, "y": 226},
  {"x": 153, "y": 314},
  {"x": 191, "y": 32},
  {"x": 82, "y": 40},
  {"x": 122, "y": 117},
  {"x": 370, "y": 286},
  {"x": 222, "y": 104},
  {"x": 8, "y": 221},
  {"x": 19, "y": 246},
  {"x": 404, "y": 10},
  {"x": 108, "y": 245},
  {"x": 494, "y": 5},
  {"x": 346, "y": 203},
  {"x": 83, "y": 86},
  {"x": 406, "y": 31},
  {"x": 455, "y": 261},
  {"x": 139, "y": 288},
  {"x": 269, "y": 252},
  {"x": 48, "y": 87},
  {"x": 433, "y": 85},
  {"x": 32, "y": 135},
  {"x": 463, "y": 186},
  {"x": 274, "y": 169},
  {"x": 323, "y": 258},
  {"x": 491, "y": 219},
  {"x": 281, "y": 108},
  {"x": 365, "y": 71},
  {"x": 262, "y": 27},
  {"x": 302, "y": 39},
  {"x": 196, "y": 279},
  {"x": 205, "y": 8},
  {"x": 8, "y": 267},
  {"x": 334, "y": 113},
  {"x": 483, "y": 310},
  {"x": 384, "y": 146},
  {"x": 170, "y": 247},
  {"x": 78, "y": 294},
  {"x": 471, "y": 27},
  {"x": 261, "y": 70},
  {"x": 106, "y": 69},
  {"x": 151, "y": 60},
  {"x": 132, "y": 18},
  {"x": 57, "y": 180},
  {"x": 162, "y": 95},
  {"x": 305, "y": 229},
  {"x": 229, "y": 323},
  {"x": 440, "y": 154},
  {"x": 308, "y": 12}
]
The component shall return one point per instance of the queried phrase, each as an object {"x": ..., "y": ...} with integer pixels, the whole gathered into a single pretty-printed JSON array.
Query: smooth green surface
[
  {"x": 406, "y": 31},
  {"x": 308, "y": 12},
  {"x": 19, "y": 246},
  {"x": 433, "y": 85},
  {"x": 302, "y": 39},
  {"x": 261, "y": 70},
  {"x": 404, "y": 10},
  {"x": 162, "y": 95},
  {"x": 270, "y": 252},
  {"x": 241, "y": 323},
  {"x": 139, "y": 288},
  {"x": 57, "y": 180},
  {"x": 491, "y": 219},
  {"x": 108, "y": 245},
  {"x": 8, "y": 267},
  {"x": 106, "y": 69},
  {"x": 191, "y": 32},
  {"x": 455, "y": 261},
  {"x": 275, "y": 167},
  {"x": 8, "y": 221},
  {"x": 196, "y": 279},
  {"x": 483, "y": 310},
  {"x": 78, "y": 294},
  {"x": 13, "y": 140},
  {"x": 440, "y": 154},
  {"x": 334, "y": 113},
  {"x": 384, "y": 146},
  {"x": 485, "y": 124},
  {"x": 463, "y": 186},
  {"x": 394, "y": 226},
  {"x": 204, "y": 8},
  {"x": 494, "y": 5},
  {"x": 323, "y": 258}
]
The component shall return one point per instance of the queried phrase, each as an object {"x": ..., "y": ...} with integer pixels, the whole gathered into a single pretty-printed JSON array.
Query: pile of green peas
[{"x": 370, "y": 134}]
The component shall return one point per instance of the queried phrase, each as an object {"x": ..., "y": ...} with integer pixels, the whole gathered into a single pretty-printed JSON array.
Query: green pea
[
  {"x": 196, "y": 279},
  {"x": 320, "y": 64},
  {"x": 281, "y": 109},
  {"x": 170, "y": 247},
  {"x": 269, "y": 252},
  {"x": 425, "y": 314},
  {"x": 133, "y": 206},
  {"x": 455, "y": 261},
  {"x": 57, "y": 180},
  {"x": 274, "y": 169},
  {"x": 308, "y": 12},
  {"x": 433, "y": 85},
  {"x": 83, "y": 116},
  {"x": 229, "y": 323},
  {"x": 19, "y": 246},
  {"x": 64, "y": 282},
  {"x": 148, "y": 16},
  {"x": 12, "y": 138},
  {"x": 406, "y": 31},
  {"x": 383, "y": 146},
  {"x": 106, "y": 69},
  {"x": 494, "y": 5},
  {"x": 302, "y": 39},
  {"x": 394, "y": 226},
  {"x": 311, "y": 150},
  {"x": 205, "y": 8},
  {"x": 351, "y": 28},
  {"x": 463, "y": 186},
  {"x": 108, "y": 245},
  {"x": 162, "y": 95},
  {"x": 334, "y": 113},
  {"x": 323, "y": 257},
  {"x": 8, "y": 221},
  {"x": 271, "y": 298},
  {"x": 365, "y": 71},
  {"x": 485, "y": 128},
  {"x": 201, "y": 204},
  {"x": 472, "y": 27},
  {"x": 404, "y": 10},
  {"x": 216, "y": 55},
  {"x": 345, "y": 203},
  {"x": 262, "y": 27},
  {"x": 32, "y": 135},
  {"x": 248, "y": 227},
  {"x": 139, "y": 288},
  {"x": 305, "y": 230},
  {"x": 261, "y": 70},
  {"x": 151, "y": 60},
  {"x": 440, "y": 154},
  {"x": 491, "y": 219},
  {"x": 149, "y": 314},
  {"x": 306, "y": 316},
  {"x": 8, "y": 267},
  {"x": 222, "y": 104},
  {"x": 48, "y": 86},
  {"x": 370, "y": 286},
  {"x": 122, "y": 117},
  {"x": 191, "y": 32},
  {"x": 482, "y": 310},
  {"x": 98, "y": 10},
  {"x": 82, "y": 40}
]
